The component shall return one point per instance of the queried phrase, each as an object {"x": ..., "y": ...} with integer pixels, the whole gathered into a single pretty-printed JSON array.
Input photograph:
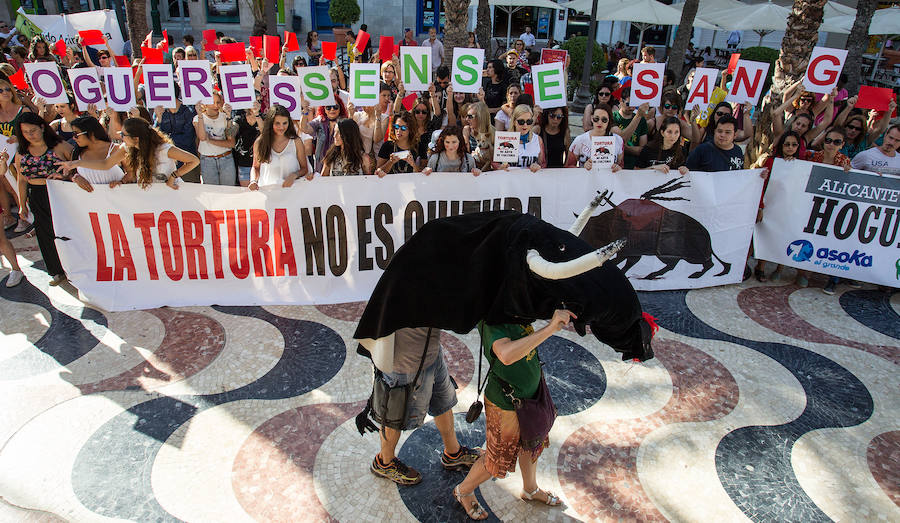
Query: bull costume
[{"x": 496, "y": 269}]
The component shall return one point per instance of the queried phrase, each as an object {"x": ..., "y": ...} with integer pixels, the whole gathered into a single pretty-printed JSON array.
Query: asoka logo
[{"x": 800, "y": 250}]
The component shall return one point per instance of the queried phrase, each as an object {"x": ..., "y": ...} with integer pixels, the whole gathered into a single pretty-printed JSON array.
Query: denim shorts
[
  {"x": 244, "y": 173},
  {"x": 434, "y": 394}
]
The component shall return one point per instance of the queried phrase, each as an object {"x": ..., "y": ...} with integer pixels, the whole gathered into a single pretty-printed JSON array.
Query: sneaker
[
  {"x": 802, "y": 281},
  {"x": 853, "y": 284},
  {"x": 22, "y": 226},
  {"x": 462, "y": 460},
  {"x": 59, "y": 278},
  {"x": 829, "y": 288},
  {"x": 15, "y": 278},
  {"x": 396, "y": 471}
]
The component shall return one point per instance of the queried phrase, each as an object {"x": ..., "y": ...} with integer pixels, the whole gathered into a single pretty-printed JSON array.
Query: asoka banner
[
  {"x": 328, "y": 240},
  {"x": 822, "y": 219},
  {"x": 66, "y": 27}
]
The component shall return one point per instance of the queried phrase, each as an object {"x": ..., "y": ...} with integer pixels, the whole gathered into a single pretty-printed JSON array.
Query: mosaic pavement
[{"x": 765, "y": 402}]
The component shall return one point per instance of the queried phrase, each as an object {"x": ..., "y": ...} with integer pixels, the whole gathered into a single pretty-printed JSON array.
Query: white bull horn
[
  {"x": 562, "y": 270},
  {"x": 585, "y": 215}
]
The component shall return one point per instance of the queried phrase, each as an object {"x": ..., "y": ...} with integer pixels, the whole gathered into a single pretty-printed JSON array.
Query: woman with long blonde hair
[{"x": 479, "y": 133}]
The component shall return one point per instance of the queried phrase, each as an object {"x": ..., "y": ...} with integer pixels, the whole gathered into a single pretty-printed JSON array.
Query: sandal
[
  {"x": 760, "y": 275},
  {"x": 551, "y": 500},
  {"x": 473, "y": 509}
]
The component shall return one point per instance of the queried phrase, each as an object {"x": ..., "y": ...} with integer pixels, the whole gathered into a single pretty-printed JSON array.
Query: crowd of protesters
[{"x": 439, "y": 131}]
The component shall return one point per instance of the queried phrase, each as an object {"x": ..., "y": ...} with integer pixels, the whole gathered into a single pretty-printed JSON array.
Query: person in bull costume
[{"x": 500, "y": 271}]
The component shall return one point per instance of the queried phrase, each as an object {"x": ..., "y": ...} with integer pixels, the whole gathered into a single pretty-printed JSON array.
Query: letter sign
[
  {"x": 467, "y": 67},
  {"x": 285, "y": 91},
  {"x": 364, "y": 84},
  {"x": 825, "y": 65},
  {"x": 315, "y": 82},
  {"x": 701, "y": 87},
  {"x": 159, "y": 88},
  {"x": 86, "y": 88},
  {"x": 647, "y": 84},
  {"x": 415, "y": 62},
  {"x": 549, "y": 85},
  {"x": 237, "y": 86},
  {"x": 46, "y": 82},
  {"x": 747, "y": 84},
  {"x": 196, "y": 81}
]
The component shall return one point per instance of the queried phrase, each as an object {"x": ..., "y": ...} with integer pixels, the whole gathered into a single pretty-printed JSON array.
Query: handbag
[
  {"x": 536, "y": 416},
  {"x": 392, "y": 401}
]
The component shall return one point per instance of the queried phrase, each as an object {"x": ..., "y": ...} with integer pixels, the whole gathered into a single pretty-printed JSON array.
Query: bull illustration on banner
[{"x": 651, "y": 229}]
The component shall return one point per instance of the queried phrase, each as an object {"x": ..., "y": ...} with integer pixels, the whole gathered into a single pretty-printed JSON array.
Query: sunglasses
[
  {"x": 603, "y": 119},
  {"x": 604, "y": 93},
  {"x": 126, "y": 135},
  {"x": 854, "y": 128},
  {"x": 721, "y": 114},
  {"x": 398, "y": 127},
  {"x": 471, "y": 117},
  {"x": 82, "y": 133},
  {"x": 5, "y": 90},
  {"x": 420, "y": 111},
  {"x": 557, "y": 116},
  {"x": 525, "y": 122},
  {"x": 669, "y": 106},
  {"x": 791, "y": 144},
  {"x": 807, "y": 100},
  {"x": 835, "y": 141},
  {"x": 331, "y": 107}
]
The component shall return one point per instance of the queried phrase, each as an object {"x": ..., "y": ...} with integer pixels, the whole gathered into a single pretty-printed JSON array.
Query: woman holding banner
[
  {"x": 449, "y": 156},
  {"x": 664, "y": 152},
  {"x": 278, "y": 154},
  {"x": 148, "y": 156},
  {"x": 555, "y": 135},
  {"x": 345, "y": 157},
  {"x": 40, "y": 154},
  {"x": 94, "y": 145},
  {"x": 531, "y": 149},
  {"x": 399, "y": 153},
  {"x": 582, "y": 148}
]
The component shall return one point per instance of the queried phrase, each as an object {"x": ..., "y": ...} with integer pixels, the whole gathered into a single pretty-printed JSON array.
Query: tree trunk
[
  {"x": 73, "y": 6},
  {"x": 136, "y": 13},
  {"x": 683, "y": 37},
  {"x": 259, "y": 17},
  {"x": 800, "y": 37},
  {"x": 857, "y": 42},
  {"x": 483, "y": 27},
  {"x": 455, "y": 34}
]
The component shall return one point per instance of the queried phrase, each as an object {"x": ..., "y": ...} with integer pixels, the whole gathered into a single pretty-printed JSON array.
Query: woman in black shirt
[
  {"x": 664, "y": 152},
  {"x": 494, "y": 86},
  {"x": 555, "y": 134},
  {"x": 399, "y": 153},
  {"x": 247, "y": 124}
]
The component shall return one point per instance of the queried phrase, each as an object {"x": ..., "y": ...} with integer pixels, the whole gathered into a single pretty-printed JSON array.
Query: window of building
[
  {"x": 430, "y": 12},
  {"x": 222, "y": 11},
  {"x": 540, "y": 20}
]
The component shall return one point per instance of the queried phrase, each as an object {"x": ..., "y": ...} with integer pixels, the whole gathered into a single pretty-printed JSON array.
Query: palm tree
[
  {"x": 455, "y": 34},
  {"x": 136, "y": 13},
  {"x": 483, "y": 27},
  {"x": 685, "y": 32},
  {"x": 857, "y": 42},
  {"x": 800, "y": 37}
]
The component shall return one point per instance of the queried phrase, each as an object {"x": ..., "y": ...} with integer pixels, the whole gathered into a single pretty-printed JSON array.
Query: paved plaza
[{"x": 766, "y": 402}]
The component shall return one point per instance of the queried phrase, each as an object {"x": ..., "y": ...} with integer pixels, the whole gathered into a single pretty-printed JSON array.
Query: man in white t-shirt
[
  {"x": 882, "y": 159},
  {"x": 215, "y": 141},
  {"x": 437, "y": 48},
  {"x": 527, "y": 37}
]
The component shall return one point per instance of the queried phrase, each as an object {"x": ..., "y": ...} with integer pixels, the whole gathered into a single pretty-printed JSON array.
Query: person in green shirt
[
  {"x": 511, "y": 350},
  {"x": 631, "y": 125}
]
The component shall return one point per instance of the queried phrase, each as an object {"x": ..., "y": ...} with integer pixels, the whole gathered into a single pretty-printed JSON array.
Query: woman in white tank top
[
  {"x": 94, "y": 144},
  {"x": 148, "y": 156},
  {"x": 531, "y": 147},
  {"x": 278, "y": 154}
]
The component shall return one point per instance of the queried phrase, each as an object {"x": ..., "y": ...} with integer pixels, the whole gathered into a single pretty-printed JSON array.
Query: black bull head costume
[{"x": 502, "y": 267}]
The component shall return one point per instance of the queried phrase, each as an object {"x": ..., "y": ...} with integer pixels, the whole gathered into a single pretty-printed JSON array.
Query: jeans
[
  {"x": 244, "y": 173},
  {"x": 217, "y": 171}
]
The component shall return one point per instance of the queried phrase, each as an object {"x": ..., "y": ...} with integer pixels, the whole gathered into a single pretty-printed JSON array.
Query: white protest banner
[
  {"x": 825, "y": 66},
  {"x": 506, "y": 147},
  {"x": 237, "y": 86},
  {"x": 44, "y": 79},
  {"x": 603, "y": 152},
  {"x": 119, "y": 88},
  {"x": 86, "y": 88},
  {"x": 285, "y": 91},
  {"x": 701, "y": 87},
  {"x": 468, "y": 64},
  {"x": 328, "y": 240},
  {"x": 549, "y": 85},
  {"x": 315, "y": 82},
  {"x": 364, "y": 84},
  {"x": 196, "y": 81},
  {"x": 647, "y": 84},
  {"x": 66, "y": 27},
  {"x": 747, "y": 82},
  {"x": 822, "y": 219},
  {"x": 159, "y": 87},
  {"x": 415, "y": 62}
]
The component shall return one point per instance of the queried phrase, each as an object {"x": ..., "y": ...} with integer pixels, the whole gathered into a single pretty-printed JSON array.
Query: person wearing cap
[
  {"x": 514, "y": 71},
  {"x": 408, "y": 37}
]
